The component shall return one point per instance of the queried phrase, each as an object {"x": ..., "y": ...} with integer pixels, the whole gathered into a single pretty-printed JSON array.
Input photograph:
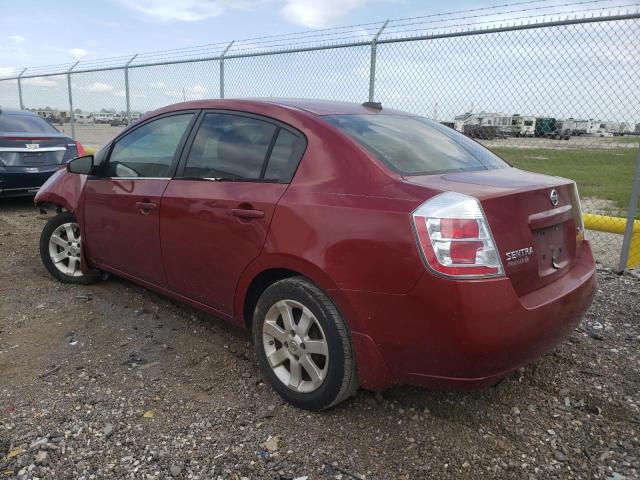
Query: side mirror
[{"x": 81, "y": 165}]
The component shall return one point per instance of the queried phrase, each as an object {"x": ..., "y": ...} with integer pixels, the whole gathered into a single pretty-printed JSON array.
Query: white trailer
[
  {"x": 461, "y": 120},
  {"x": 83, "y": 118},
  {"x": 523, "y": 125},
  {"x": 501, "y": 121}
]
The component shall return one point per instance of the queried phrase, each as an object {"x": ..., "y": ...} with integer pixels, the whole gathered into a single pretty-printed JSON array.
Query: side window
[
  {"x": 148, "y": 150},
  {"x": 229, "y": 146},
  {"x": 284, "y": 157},
  {"x": 100, "y": 156}
]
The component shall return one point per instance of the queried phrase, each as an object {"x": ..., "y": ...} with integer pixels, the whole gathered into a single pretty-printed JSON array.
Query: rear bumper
[
  {"x": 464, "y": 334},
  {"x": 17, "y": 181}
]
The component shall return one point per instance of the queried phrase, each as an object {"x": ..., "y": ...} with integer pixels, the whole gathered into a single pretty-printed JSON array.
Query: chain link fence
[{"x": 558, "y": 97}]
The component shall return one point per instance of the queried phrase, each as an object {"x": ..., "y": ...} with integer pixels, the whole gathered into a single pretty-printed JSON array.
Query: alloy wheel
[
  {"x": 295, "y": 346},
  {"x": 64, "y": 249}
]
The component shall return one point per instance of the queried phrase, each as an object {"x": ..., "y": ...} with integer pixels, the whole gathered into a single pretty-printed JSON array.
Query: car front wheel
[
  {"x": 303, "y": 345},
  {"x": 60, "y": 248}
]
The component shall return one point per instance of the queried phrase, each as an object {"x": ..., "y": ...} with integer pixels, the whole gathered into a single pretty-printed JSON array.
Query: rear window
[
  {"x": 416, "y": 145},
  {"x": 25, "y": 124}
]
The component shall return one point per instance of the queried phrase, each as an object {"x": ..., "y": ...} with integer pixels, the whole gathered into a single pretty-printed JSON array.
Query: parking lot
[
  {"x": 95, "y": 135},
  {"x": 114, "y": 381}
]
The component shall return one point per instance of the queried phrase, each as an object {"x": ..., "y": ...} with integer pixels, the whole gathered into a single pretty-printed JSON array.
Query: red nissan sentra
[{"x": 362, "y": 246}]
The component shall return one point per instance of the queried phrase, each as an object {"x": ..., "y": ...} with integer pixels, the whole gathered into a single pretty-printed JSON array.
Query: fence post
[
  {"x": 126, "y": 87},
  {"x": 71, "y": 115},
  {"x": 631, "y": 216},
  {"x": 224, "y": 52},
  {"x": 20, "y": 88},
  {"x": 372, "y": 65}
]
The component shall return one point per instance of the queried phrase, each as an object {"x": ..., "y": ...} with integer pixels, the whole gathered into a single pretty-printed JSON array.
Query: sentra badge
[{"x": 516, "y": 257}]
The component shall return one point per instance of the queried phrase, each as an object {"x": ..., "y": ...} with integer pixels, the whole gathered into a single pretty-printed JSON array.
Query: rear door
[
  {"x": 216, "y": 213},
  {"x": 122, "y": 204}
]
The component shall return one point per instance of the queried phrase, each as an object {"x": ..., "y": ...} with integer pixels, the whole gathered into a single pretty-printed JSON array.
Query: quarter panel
[{"x": 360, "y": 242}]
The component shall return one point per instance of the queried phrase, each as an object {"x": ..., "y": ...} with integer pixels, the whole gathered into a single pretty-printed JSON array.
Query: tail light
[
  {"x": 80, "y": 149},
  {"x": 577, "y": 214},
  {"x": 455, "y": 238}
]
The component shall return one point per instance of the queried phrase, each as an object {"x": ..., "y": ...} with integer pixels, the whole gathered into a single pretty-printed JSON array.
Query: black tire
[
  {"x": 340, "y": 381},
  {"x": 47, "y": 232}
]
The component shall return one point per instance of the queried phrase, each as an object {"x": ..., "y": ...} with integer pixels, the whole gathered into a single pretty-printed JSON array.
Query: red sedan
[{"x": 361, "y": 246}]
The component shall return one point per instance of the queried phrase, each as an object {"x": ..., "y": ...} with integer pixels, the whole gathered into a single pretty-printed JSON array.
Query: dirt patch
[{"x": 112, "y": 381}]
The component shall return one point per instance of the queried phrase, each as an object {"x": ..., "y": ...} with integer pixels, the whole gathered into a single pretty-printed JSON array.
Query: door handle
[
  {"x": 144, "y": 207},
  {"x": 247, "y": 213}
]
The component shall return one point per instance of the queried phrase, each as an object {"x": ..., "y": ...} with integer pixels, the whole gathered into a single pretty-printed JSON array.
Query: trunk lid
[
  {"x": 535, "y": 229},
  {"x": 35, "y": 150}
]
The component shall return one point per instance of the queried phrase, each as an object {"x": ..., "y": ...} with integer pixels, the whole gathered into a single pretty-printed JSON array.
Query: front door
[
  {"x": 215, "y": 218},
  {"x": 122, "y": 204}
]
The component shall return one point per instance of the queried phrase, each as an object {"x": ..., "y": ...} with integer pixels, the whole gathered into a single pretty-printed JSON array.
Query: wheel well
[
  {"x": 259, "y": 285},
  {"x": 44, "y": 206}
]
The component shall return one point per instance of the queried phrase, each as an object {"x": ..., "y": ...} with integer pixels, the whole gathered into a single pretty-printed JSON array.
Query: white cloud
[
  {"x": 193, "y": 92},
  {"x": 77, "y": 53},
  {"x": 11, "y": 52},
  {"x": 185, "y": 10},
  {"x": 97, "y": 87},
  {"x": 317, "y": 14},
  {"x": 122, "y": 93},
  {"x": 46, "y": 82},
  {"x": 8, "y": 71},
  {"x": 16, "y": 38}
]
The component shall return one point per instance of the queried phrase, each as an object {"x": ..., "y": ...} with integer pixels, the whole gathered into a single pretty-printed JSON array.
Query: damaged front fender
[{"x": 62, "y": 189}]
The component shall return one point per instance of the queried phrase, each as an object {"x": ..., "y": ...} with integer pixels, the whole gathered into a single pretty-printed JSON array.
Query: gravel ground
[{"x": 112, "y": 381}]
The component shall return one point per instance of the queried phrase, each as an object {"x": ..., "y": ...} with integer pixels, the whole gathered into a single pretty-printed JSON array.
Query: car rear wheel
[
  {"x": 303, "y": 345},
  {"x": 60, "y": 248}
]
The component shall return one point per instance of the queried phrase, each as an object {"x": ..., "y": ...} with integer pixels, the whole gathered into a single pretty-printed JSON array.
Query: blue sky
[
  {"x": 586, "y": 71},
  {"x": 51, "y": 32}
]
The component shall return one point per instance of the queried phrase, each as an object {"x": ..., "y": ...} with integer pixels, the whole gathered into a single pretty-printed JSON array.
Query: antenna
[{"x": 373, "y": 105}]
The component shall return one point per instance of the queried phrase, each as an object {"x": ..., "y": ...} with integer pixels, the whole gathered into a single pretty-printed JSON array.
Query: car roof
[
  {"x": 313, "y": 106},
  {"x": 14, "y": 111},
  {"x": 328, "y": 107}
]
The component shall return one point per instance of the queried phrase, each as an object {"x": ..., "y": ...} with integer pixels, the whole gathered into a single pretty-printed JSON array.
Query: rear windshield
[
  {"x": 16, "y": 123},
  {"x": 416, "y": 145}
]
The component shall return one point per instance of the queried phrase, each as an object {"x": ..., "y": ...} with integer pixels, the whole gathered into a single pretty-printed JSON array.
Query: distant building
[
  {"x": 54, "y": 116},
  {"x": 105, "y": 117},
  {"x": 460, "y": 121},
  {"x": 83, "y": 118}
]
